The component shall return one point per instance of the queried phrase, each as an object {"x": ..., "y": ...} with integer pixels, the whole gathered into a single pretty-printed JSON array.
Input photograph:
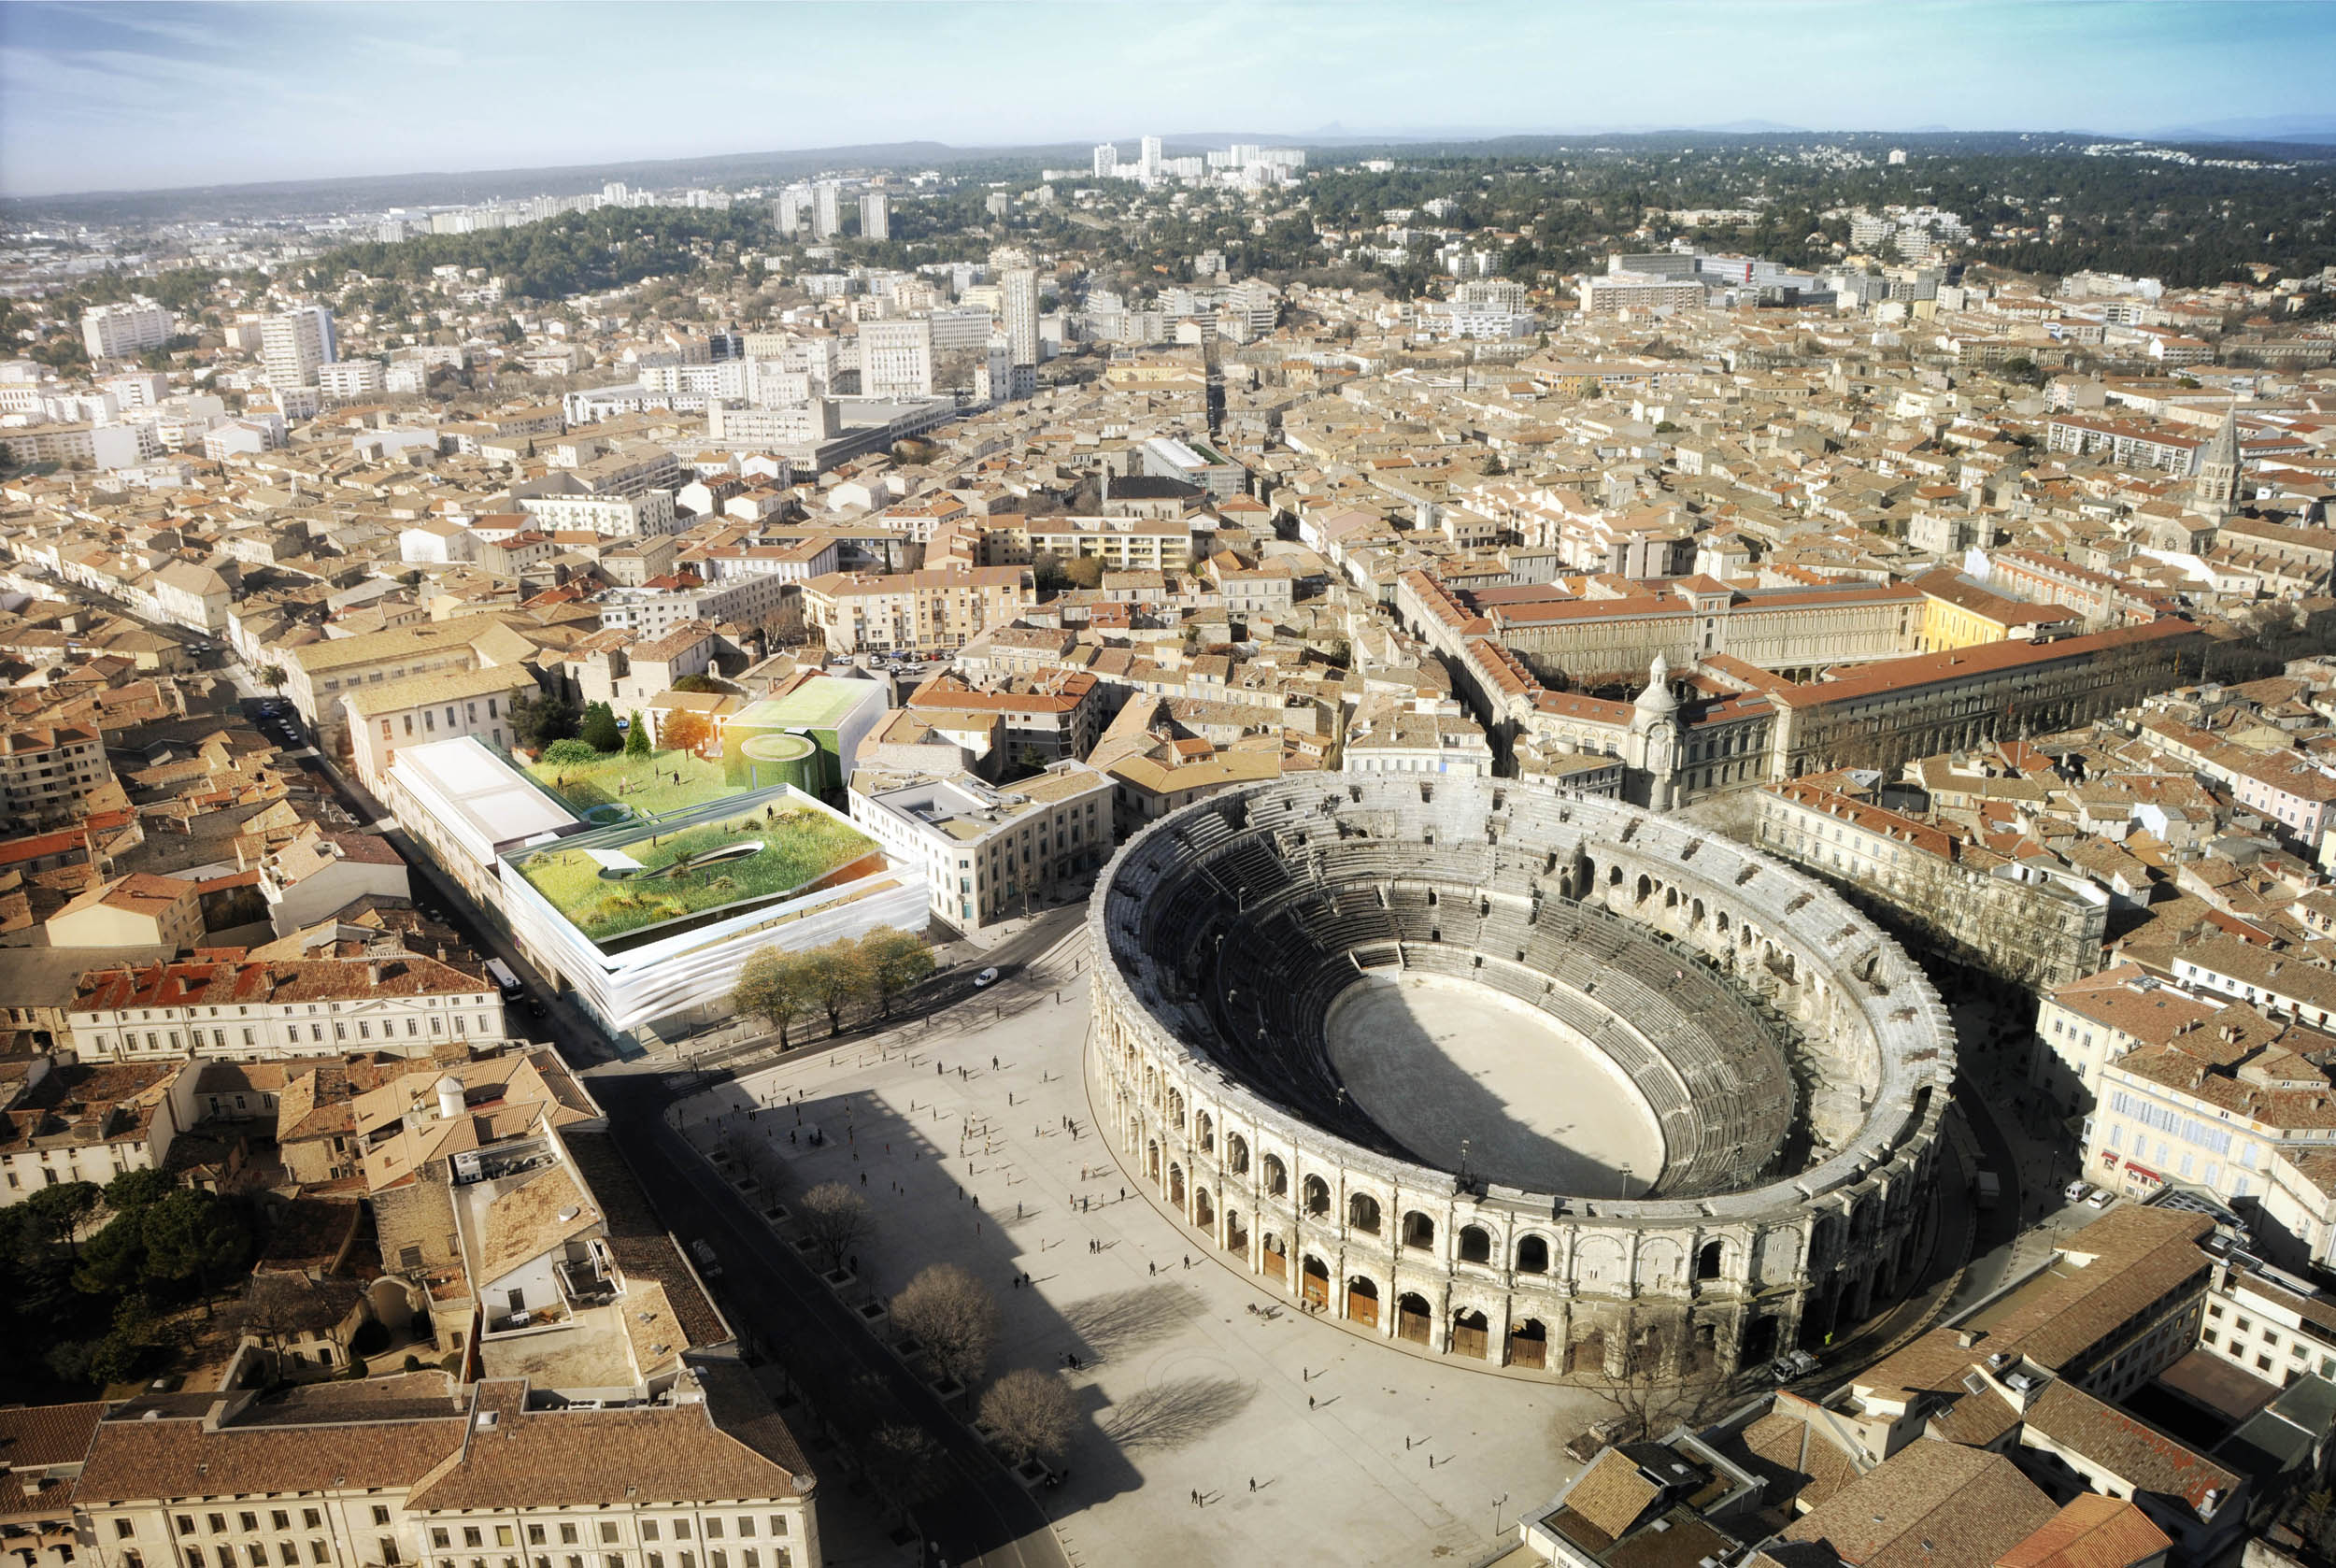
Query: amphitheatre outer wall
[{"x": 1755, "y": 1238}]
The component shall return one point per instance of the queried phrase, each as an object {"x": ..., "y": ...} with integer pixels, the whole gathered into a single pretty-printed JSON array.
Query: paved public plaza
[{"x": 977, "y": 1146}]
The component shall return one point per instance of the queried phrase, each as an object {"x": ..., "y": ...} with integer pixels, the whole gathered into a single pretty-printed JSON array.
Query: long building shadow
[{"x": 925, "y": 1212}]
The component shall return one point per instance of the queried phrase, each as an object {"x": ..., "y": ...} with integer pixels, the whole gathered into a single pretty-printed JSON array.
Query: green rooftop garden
[
  {"x": 623, "y": 884},
  {"x": 651, "y": 786}
]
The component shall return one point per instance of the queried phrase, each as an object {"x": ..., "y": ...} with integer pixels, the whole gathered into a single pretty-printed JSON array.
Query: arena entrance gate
[
  {"x": 1468, "y": 1335},
  {"x": 1411, "y": 1318},
  {"x": 1363, "y": 1302}
]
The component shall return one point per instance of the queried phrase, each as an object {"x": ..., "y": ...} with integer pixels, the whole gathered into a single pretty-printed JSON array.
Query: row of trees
[
  {"x": 784, "y": 987},
  {"x": 952, "y": 1317}
]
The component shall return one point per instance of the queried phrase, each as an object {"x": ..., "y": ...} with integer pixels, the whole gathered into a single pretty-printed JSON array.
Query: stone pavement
[{"x": 974, "y": 1141}]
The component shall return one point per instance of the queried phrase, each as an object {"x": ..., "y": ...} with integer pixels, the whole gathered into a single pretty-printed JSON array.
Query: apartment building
[
  {"x": 896, "y": 357},
  {"x": 47, "y": 770},
  {"x": 140, "y": 909},
  {"x": 1419, "y": 734},
  {"x": 294, "y": 344},
  {"x": 612, "y": 516},
  {"x": 319, "y": 672},
  {"x": 2036, "y": 925},
  {"x": 498, "y": 1478},
  {"x": 435, "y": 706},
  {"x": 633, "y": 468},
  {"x": 1611, "y": 294},
  {"x": 2135, "y": 443},
  {"x": 352, "y": 380},
  {"x": 797, "y": 561},
  {"x": 1017, "y": 299},
  {"x": 1123, "y": 544},
  {"x": 125, "y": 330},
  {"x": 753, "y": 599},
  {"x": 1957, "y": 613},
  {"x": 987, "y": 851},
  {"x": 2274, "y": 1326},
  {"x": 89, "y": 1121},
  {"x": 248, "y": 1011},
  {"x": 1044, "y": 718},
  {"x": 944, "y": 608}
]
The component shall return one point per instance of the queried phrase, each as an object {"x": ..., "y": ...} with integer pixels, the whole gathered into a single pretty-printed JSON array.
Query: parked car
[
  {"x": 2102, "y": 1199},
  {"x": 2077, "y": 1191}
]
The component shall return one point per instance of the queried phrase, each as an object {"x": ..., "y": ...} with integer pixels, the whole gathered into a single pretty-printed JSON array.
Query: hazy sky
[{"x": 127, "y": 96}]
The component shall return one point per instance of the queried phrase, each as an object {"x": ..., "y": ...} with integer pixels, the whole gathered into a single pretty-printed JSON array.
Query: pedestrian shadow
[
  {"x": 1174, "y": 1414},
  {"x": 1122, "y": 1321}
]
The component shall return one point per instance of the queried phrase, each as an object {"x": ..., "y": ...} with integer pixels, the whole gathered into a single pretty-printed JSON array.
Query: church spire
[{"x": 2215, "y": 490}]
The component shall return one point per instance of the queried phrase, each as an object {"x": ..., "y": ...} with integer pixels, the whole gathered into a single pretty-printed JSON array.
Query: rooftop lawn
[
  {"x": 646, "y": 784},
  {"x": 799, "y": 847}
]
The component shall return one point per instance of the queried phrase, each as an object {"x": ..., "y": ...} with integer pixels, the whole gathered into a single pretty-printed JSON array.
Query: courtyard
[{"x": 1215, "y": 1415}]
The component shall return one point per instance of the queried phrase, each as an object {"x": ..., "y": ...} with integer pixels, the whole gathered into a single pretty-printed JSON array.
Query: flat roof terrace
[
  {"x": 478, "y": 795},
  {"x": 635, "y": 878},
  {"x": 617, "y": 788}
]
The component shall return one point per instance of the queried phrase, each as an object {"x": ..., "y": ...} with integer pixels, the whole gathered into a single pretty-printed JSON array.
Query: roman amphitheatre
[{"x": 1521, "y": 1076}]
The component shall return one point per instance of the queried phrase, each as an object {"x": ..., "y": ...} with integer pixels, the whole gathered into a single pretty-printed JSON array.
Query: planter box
[
  {"x": 839, "y": 1280},
  {"x": 945, "y": 1389},
  {"x": 873, "y": 1313},
  {"x": 1033, "y": 1474},
  {"x": 775, "y": 1215}
]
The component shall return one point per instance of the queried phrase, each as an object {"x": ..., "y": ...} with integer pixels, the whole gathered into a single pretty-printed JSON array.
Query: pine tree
[{"x": 600, "y": 728}]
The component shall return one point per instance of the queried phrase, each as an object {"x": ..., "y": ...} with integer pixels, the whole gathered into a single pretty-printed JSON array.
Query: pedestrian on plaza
[{"x": 1253, "y": 1483}]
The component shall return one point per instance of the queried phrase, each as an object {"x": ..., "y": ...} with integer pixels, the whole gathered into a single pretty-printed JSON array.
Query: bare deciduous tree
[
  {"x": 906, "y": 1465},
  {"x": 1645, "y": 1404},
  {"x": 955, "y": 1317},
  {"x": 835, "y": 1219},
  {"x": 1031, "y": 1412}
]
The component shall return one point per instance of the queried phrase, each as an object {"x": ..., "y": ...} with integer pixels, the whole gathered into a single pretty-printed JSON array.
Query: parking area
[{"x": 1213, "y": 1416}]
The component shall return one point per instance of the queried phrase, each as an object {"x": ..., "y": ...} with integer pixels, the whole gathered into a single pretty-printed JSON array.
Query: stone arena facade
[{"x": 1795, "y": 1059}]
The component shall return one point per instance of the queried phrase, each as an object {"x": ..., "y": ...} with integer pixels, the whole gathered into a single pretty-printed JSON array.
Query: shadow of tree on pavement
[
  {"x": 1174, "y": 1415},
  {"x": 1122, "y": 1321}
]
